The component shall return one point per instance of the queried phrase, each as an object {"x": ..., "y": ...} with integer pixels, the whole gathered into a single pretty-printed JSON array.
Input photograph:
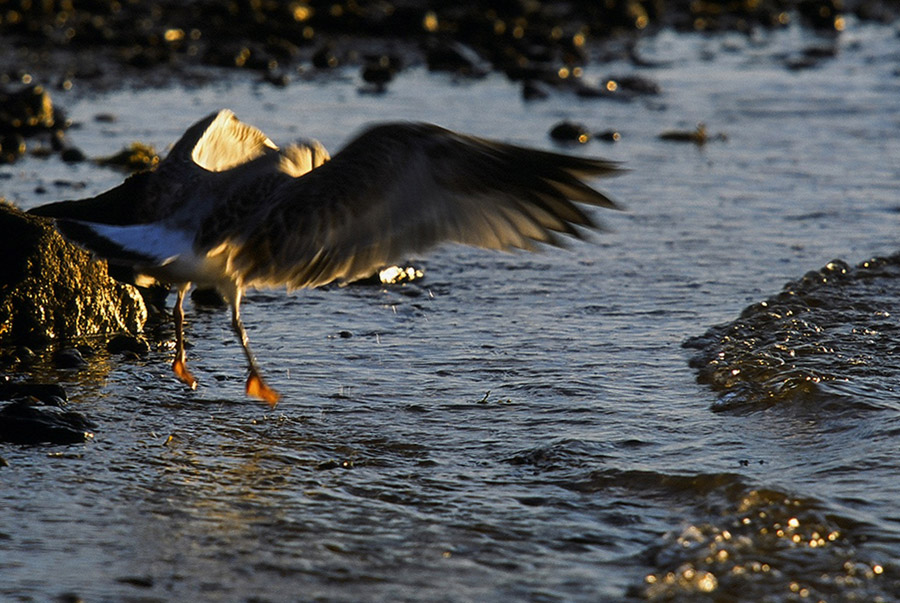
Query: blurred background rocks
[{"x": 524, "y": 39}]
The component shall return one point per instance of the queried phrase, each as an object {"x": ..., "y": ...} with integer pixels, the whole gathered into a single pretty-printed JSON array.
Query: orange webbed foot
[
  {"x": 184, "y": 375},
  {"x": 257, "y": 388}
]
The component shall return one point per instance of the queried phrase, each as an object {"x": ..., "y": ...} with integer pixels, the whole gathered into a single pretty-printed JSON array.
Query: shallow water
[{"x": 513, "y": 427}]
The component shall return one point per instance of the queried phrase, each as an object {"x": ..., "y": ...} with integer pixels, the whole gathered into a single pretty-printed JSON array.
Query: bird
[{"x": 230, "y": 210}]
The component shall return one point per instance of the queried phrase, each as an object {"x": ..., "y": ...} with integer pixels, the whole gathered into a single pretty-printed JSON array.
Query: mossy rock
[{"x": 51, "y": 290}]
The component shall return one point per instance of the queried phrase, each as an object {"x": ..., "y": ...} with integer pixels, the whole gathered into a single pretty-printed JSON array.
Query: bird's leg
[
  {"x": 179, "y": 367},
  {"x": 256, "y": 387}
]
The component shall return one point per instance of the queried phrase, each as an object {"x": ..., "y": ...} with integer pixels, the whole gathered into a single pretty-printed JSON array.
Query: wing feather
[{"x": 399, "y": 189}]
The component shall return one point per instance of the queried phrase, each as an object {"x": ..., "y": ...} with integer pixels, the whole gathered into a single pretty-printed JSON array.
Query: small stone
[
  {"x": 534, "y": 90},
  {"x": 136, "y": 157},
  {"x": 608, "y": 136},
  {"x": 697, "y": 136},
  {"x": 324, "y": 58},
  {"x": 570, "y": 132},
  {"x": 128, "y": 344},
  {"x": 69, "y": 358},
  {"x": 380, "y": 70},
  {"x": 73, "y": 155},
  {"x": 208, "y": 297},
  {"x": 25, "y": 421},
  {"x": 25, "y": 355},
  {"x": 51, "y": 393},
  {"x": 12, "y": 146}
]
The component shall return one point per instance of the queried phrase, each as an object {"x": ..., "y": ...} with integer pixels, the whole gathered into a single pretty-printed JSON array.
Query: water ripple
[{"x": 827, "y": 338}]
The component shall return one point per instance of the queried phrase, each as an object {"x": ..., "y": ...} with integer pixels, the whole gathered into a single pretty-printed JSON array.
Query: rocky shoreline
[{"x": 98, "y": 44}]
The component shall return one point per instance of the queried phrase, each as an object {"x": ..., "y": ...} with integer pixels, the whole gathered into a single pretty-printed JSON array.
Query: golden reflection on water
[{"x": 765, "y": 538}]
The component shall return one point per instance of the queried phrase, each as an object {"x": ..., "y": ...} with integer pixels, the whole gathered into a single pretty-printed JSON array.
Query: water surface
[{"x": 513, "y": 427}]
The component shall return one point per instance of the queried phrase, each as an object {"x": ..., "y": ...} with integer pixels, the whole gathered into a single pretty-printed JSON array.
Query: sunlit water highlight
[{"x": 513, "y": 427}]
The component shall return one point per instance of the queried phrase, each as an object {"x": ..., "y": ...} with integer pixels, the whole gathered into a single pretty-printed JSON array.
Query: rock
[
  {"x": 28, "y": 421},
  {"x": 128, "y": 344},
  {"x": 697, "y": 136},
  {"x": 379, "y": 70},
  {"x": 26, "y": 111},
  {"x": 73, "y": 155},
  {"x": 12, "y": 146},
  {"x": 51, "y": 290},
  {"x": 570, "y": 132},
  {"x": 24, "y": 355},
  {"x": 325, "y": 58},
  {"x": 208, "y": 297},
  {"x": 534, "y": 90},
  {"x": 455, "y": 57},
  {"x": 69, "y": 358},
  {"x": 608, "y": 136},
  {"x": 135, "y": 158},
  {"x": 49, "y": 393}
]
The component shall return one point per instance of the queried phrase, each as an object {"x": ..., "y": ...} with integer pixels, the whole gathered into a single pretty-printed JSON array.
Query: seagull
[{"x": 227, "y": 209}]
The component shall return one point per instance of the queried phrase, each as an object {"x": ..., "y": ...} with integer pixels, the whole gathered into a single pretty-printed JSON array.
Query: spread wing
[
  {"x": 217, "y": 144},
  {"x": 395, "y": 190}
]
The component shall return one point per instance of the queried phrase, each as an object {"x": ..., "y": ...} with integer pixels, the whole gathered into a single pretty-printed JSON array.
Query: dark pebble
[
  {"x": 128, "y": 344},
  {"x": 377, "y": 75},
  {"x": 72, "y": 155},
  {"x": 588, "y": 91},
  {"x": 608, "y": 136},
  {"x": 380, "y": 69},
  {"x": 25, "y": 421},
  {"x": 534, "y": 90},
  {"x": 277, "y": 79},
  {"x": 635, "y": 84},
  {"x": 45, "y": 392},
  {"x": 697, "y": 136},
  {"x": 134, "y": 158},
  {"x": 456, "y": 58},
  {"x": 569, "y": 132},
  {"x": 208, "y": 297},
  {"x": 324, "y": 58},
  {"x": 24, "y": 354},
  {"x": 12, "y": 146},
  {"x": 73, "y": 184},
  {"x": 69, "y": 358},
  {"x": 139, "y": 581},
  {"x": 58, "y": 140}
]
